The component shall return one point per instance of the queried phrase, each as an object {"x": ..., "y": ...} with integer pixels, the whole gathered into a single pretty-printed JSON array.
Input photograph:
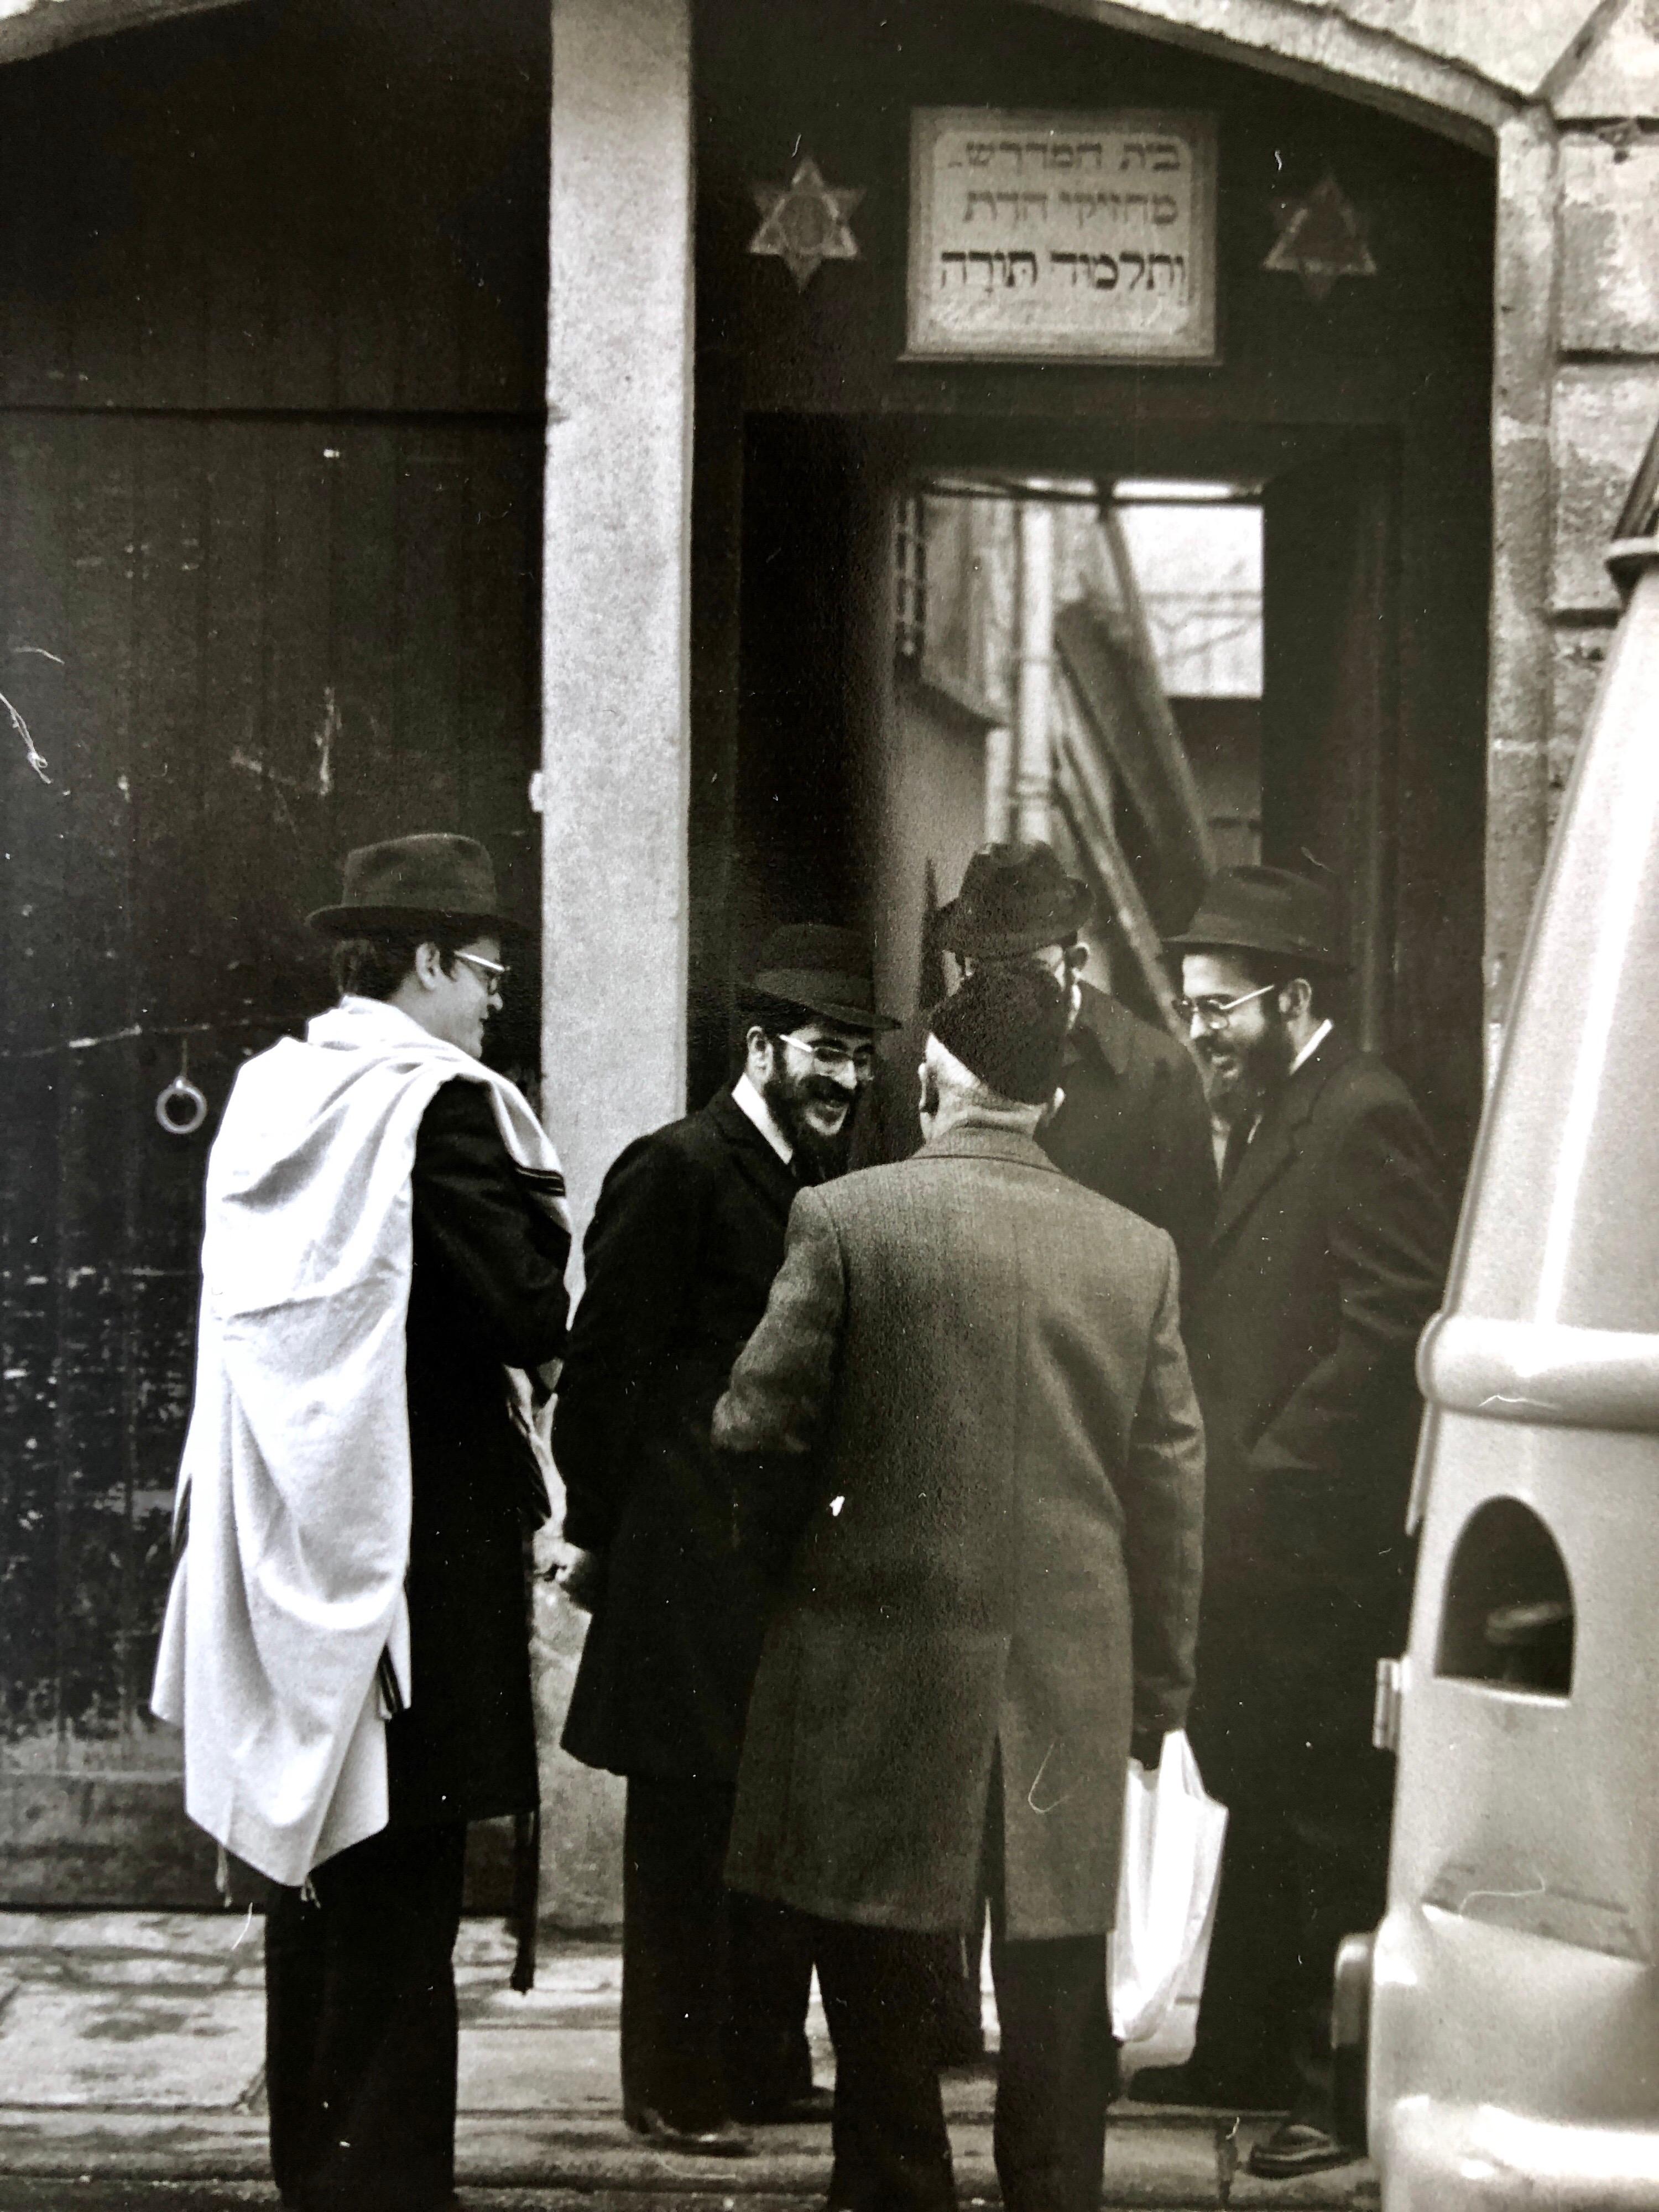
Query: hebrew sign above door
[{"x": 1081, "y": 235}]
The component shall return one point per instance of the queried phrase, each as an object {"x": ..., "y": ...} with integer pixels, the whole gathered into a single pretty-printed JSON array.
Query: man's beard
[
  {"x": 1247, "y": 1072},
  {"x": 787, "y": 1097}
]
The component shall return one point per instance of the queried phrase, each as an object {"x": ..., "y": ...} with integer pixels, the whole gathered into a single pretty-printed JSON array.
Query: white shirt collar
[
  {"x": 1311, "y": 1046},
  {"x": 750, "y": 1103}
]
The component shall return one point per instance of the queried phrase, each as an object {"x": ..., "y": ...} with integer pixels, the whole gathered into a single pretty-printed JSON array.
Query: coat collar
[
  {"x": 1110, "y": 1027},
  {"x": 751, "y": 1154},
  {"x": 978, "y": 1140},
  {"x": 1279, "y": 1139}
]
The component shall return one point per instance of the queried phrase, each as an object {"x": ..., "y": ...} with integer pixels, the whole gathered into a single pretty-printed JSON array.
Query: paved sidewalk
[{"x": 131, "y": 2076}]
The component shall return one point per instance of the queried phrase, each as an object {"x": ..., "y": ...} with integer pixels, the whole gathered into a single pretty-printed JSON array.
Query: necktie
[{"x": 1238, "y": 1143}]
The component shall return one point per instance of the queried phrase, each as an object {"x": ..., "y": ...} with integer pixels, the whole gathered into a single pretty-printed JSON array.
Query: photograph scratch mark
[{"x": 31, "y": 750}]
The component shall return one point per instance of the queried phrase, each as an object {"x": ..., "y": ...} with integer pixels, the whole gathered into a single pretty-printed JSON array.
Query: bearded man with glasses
[
  {"x": 1327, "y": 1258},
  {"x": 687, "y": 1236}
]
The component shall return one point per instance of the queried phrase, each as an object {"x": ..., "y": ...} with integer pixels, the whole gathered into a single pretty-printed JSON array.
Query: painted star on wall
[
  {"x": 1320, "y": 239},
  {"x": 804, "y": 223}
]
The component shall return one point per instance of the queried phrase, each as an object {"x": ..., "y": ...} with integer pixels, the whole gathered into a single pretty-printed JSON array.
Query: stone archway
[
  {"x": 39, "y": 26},
  {"x": 1490, "y": 83}
]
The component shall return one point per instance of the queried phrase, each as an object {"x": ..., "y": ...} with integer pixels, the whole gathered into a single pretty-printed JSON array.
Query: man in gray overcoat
[{"x": 982, "y": 1464}]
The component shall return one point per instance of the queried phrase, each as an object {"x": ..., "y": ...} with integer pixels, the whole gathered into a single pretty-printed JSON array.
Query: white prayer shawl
[{"x": 296, "y": 1476}]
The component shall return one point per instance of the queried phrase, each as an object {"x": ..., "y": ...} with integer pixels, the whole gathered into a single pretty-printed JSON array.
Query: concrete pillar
[
  {"x": 615, "y": 752},
  {"x": 999, "y": 784},
  {"x": 1033, "y": 771}
]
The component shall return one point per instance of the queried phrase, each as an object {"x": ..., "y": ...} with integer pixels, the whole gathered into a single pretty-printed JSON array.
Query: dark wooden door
[
  {"x": 230, "y": 650},
  {"x": 1327, "y": 709}
]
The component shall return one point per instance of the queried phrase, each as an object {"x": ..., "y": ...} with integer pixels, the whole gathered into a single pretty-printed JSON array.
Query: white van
[{"x": 1511, "y": 1997}]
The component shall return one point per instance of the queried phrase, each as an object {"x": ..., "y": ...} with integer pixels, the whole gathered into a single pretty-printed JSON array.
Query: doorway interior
[{"x": 1162, "y": 674}]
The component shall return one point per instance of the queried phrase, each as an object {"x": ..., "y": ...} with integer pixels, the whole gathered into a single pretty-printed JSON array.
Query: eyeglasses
[
  {"x": 496, "y": 977},
  {"x": 858, "y": 1061},
  {"x": 1215, "y": 1013}
]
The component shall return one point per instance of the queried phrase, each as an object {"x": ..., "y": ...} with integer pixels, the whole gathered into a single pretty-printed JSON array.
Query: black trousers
[
  {"x": 1056, "y": 2072},
  {"x": 1302, "y": 1868},
  {"x": 360, "y": 2026},
  {"x": 954, "y": 1969},
  {"x": 714, "y": 1984},
  {"x": 1055, "y": 2075}
]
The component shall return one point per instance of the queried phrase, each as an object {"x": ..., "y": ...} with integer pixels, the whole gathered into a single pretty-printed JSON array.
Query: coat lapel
[
  {"x": 1279, "y": 1139},
  {"x": 751, "y": 1156}
]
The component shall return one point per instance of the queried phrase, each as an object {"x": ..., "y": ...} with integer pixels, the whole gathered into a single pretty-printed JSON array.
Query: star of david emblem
[
  {"x": 804, "y": 223},
  {"x": 1320, "y": 239}
]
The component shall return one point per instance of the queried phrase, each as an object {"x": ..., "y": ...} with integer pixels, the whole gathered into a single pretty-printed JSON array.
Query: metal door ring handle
[{"x": 181, "y": 1108}]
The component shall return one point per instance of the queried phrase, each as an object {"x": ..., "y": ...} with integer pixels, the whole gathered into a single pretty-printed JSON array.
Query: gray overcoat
[{"x": 973, "y": 1408}]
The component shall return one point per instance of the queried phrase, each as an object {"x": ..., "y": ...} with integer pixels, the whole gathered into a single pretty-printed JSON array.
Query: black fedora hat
[
  {"x": 1013, "y": 898},
  {"x": 410, "y": 883},
  {"x": 1270, "y": 910},
  {"x": 817, "y": 969}
]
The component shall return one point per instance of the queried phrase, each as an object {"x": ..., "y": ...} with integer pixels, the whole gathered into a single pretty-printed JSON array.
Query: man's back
[
  {"x": 997, "y": 1536},
  {"x": 997, "y": 1328}
]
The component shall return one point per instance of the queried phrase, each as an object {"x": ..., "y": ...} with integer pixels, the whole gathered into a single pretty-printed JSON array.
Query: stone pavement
[{"x": 131, "y": 2079}]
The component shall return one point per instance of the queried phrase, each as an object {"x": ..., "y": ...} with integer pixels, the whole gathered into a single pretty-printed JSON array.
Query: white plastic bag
[{"x": 1168, "y": 1880}]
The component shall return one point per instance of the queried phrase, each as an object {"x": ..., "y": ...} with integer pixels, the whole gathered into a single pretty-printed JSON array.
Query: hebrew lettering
[{"x": 1034, "y": 238}]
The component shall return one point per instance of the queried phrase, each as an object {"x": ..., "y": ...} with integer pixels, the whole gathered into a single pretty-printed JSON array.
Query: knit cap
[{"x": 1007, "y": 1025}]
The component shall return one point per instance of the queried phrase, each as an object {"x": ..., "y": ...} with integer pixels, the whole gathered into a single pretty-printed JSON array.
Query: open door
[{"x": 1327, "y": 699}]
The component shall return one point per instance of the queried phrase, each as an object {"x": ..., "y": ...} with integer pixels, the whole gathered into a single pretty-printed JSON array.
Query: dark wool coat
[
  {"x": 684, "y": 1242},
  {"x": 487, "y": 1292},
  {"x": 1134, "y": 1126},
  {"x": 1328, "y": 1257},
  {"x": 973, "y": 1370}
]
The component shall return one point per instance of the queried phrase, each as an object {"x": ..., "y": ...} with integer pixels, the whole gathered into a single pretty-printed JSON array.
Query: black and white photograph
[{"x": 828, "y": 1297}]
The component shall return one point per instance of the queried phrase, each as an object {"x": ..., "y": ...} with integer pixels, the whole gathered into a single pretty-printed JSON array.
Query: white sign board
[{"x": 1034, "y": 236}]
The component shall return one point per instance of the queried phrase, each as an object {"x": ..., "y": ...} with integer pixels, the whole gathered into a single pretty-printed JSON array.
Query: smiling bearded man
[
  {"x": 687, "y": 1236},
  {"x": 1327, "y": 1258}
]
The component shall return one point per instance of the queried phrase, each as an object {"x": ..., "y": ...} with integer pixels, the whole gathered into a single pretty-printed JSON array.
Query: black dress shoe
[
  {"x": 813, "y": 2107},
  {"x": 727, "y": 2139},
  {"x": 1298, "y": 2147}
]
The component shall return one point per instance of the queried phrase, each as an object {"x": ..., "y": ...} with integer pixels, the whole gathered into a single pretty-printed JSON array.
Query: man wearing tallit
[{"x": 346, "y": 1641}]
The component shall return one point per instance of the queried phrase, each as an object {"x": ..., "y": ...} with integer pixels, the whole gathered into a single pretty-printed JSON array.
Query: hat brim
[
  {"x": 372, "y": 921},
  {"x": 846, "y": 1017},
  {"x": 794, "y": 989},
  {"x": 964, "y": 939},
  {"x": 1240, "y": 941}
]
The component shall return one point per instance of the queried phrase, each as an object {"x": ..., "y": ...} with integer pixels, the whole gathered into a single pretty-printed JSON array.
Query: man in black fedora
[
  {"x": 347, "y": 1642},
  {"x": 687, "y": 1236},
  {"x": 1132, "y": 1124},
  {"x": 1327, "y": 1258}
]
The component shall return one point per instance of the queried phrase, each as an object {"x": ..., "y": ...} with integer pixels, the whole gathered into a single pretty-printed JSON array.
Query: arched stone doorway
[{"x": 1358, "y": 419}]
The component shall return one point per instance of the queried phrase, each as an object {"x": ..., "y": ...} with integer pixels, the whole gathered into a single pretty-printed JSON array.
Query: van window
[{"x": 1507, "y": 1617}]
